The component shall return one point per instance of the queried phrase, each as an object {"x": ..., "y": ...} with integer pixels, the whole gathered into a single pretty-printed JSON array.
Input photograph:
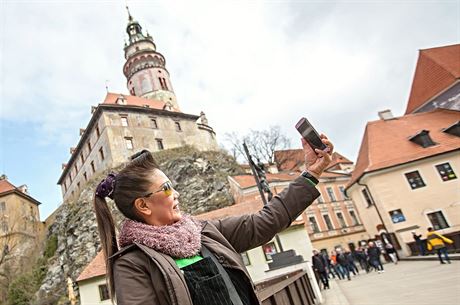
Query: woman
[{"x": 167, "y": 257}]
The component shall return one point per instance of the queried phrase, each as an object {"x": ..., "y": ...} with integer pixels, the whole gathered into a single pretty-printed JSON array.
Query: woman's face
[{"x": 163, "y": 207}]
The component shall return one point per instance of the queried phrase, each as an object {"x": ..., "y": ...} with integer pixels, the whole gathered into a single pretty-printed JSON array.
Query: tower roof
[{"x": 437, "y": 69}]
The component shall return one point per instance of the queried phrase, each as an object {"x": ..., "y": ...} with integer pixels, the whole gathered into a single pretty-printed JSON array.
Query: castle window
[
  {"x": 178, "y": 128},
  {"x": 78, "y": 185},
  {"x": 4, "y": 226},
  {"x": 98, "y": 132},
  {"x": 65, "y": 187},
  {"x": 129, "y": 143},
  {"x": 86, "y": 176},
  {"x": 70, "y": 176},
  {"x": 76, "y": 169},
  {"x": 415, "y": 180},
  {"x": 89, "y": 146},
  {"x": 446, "y": 172},
  {"x": 101, "y": 153},
  {"x": 160, "y": 144},
  {"x": 82, "y": 158},
  {"x": 154, "y": 123},
  {"x": 2, "y": 207},
  {"x": 93, "y": 167},
  {"x": 124, "y": 121}
]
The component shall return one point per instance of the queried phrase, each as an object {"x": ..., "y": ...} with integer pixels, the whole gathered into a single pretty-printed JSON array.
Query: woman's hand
[{"x": 317, "y": 160}]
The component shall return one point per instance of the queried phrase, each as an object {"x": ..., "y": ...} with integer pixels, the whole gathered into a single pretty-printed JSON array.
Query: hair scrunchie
[{"x": 106, "y": 186}]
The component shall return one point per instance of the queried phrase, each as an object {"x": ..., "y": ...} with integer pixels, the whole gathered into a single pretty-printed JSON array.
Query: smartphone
[{"x": 309, "y": 133}]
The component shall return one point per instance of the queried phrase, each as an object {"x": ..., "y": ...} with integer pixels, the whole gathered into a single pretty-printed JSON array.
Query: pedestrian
[
  {"x": 319, "y": 267},
  {"x": 418, "y": 242},
  {"x": 374, "y": 257},
  {"x": 335, "y": 265},
  {"x": 351, "y": 263},
  {"x": 438, "y": 242},
  {"x": 168, "y": 257},
  {"x": 342, "y": 263},
  {"x": 391, "y": 252},
  {"x": 362, "y": 258}
]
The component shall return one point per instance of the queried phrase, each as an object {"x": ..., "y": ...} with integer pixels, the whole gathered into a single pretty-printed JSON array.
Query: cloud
[{"x": 247, "y": 65}]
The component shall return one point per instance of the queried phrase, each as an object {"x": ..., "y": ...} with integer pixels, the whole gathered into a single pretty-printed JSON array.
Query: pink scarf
[{"x": 180, "y": 240}]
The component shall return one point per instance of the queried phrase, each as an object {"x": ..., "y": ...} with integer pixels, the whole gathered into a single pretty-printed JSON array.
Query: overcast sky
[{"x": 247, "y": 65}]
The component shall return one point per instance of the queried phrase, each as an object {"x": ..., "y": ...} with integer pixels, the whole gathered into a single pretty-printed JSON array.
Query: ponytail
[{"x": 106, "y": 227}]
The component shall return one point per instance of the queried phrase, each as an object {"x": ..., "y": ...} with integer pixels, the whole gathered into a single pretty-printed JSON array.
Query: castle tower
[{"x": 145, "y": 68}]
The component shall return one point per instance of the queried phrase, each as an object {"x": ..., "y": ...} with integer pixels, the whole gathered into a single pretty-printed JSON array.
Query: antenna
[{"x": 107, "y": 85}]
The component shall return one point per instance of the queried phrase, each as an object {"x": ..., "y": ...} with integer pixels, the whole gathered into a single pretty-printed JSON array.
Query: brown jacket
[{"x": 145, "y": 276}]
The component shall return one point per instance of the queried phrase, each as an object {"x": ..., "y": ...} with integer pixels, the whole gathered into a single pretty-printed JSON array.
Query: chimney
[
  {"x": 386, "y": 115},
  {"x": 72, "y": 150},
  {"x": 3, "y": 177},
  {"x": 93, "y": 108},
  {"x": 23, "y": 189},
  {"x": 82, "y": 131},
  {"x": 63, "y": 166}
]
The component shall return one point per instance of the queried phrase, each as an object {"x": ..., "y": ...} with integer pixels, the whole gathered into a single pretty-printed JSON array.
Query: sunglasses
[{"x": 166, "y": 188}]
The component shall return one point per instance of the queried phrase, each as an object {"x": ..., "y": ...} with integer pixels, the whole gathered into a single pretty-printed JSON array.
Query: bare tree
[{"x": 261, "y": 143}]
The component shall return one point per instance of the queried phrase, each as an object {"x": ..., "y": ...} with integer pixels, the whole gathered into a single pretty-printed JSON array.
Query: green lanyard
[{"x": 184, "y": 262}]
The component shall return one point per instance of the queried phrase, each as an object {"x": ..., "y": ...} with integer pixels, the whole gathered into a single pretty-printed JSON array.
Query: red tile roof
[
  {"x": 437, "y": 69},
  {"x": 132, "y": 100},
  {"x": 6, "y": 186},
  {"x": 246, "y": 181},
  {"x": 386, "y": 143},
  {"x": 95, "y": 268},
  {"x": 294, "y": 159},
  {"x": 243, "y": 208}
]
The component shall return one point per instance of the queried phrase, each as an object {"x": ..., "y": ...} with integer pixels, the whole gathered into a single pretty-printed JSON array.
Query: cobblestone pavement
[{"x": 418, "y": 283}]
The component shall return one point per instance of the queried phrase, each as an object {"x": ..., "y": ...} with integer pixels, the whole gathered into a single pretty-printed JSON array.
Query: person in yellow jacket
[{"x": 438, "y": 242}]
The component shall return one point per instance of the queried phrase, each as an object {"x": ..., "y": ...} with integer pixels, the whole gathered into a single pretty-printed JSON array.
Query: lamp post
[{"x": 259, "y": 175}]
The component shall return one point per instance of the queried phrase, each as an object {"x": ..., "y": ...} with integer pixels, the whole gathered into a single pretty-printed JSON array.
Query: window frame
[
  {"x": 331, "y": 194},
  {"x": 355, "y": 219},
  {"x": 160, "y": 144},
  {"x": 419, "y": 176},
  {"x": 103, "y": 292},
  {"x": 124, "y": 121},
  {"x": 316, "y": 222},
  {"x": 443, "y": 215},
  {"x": 344, "y": 225},
  {"x": 330, "y": 220},
  {"x": 451, "y": 169},
  {"x": 101, "y": 153},
  {"x": 247, "y": 261},
  {"x": 129, "y": 142}
]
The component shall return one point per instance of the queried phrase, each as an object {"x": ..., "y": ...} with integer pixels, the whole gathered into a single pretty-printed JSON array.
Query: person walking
[
  {"x": 374, "y": 257},
  {"x": 342, "y": 263},
  {"x": 418, "y": 242},
  {"x": 362, "y": 258},
  {"x": 351, "y": 263},
  {"x": 170, "y": 258},
  {"x": 438, "y": 242},
  {"x": 335, "y": 265},
  {"x": 391, "y": 252},
  {"x": 319, "y": 266}
]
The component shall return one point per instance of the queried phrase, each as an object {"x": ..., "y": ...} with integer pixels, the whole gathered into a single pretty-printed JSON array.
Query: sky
[{"x": 247, "y": 64}]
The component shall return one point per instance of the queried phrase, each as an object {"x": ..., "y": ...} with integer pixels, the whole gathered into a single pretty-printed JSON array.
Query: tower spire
[{"x": 130, "y": 18}]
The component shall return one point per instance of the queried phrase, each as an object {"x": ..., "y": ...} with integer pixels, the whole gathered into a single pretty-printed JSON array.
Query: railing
[{"x": 290, "y": 289}]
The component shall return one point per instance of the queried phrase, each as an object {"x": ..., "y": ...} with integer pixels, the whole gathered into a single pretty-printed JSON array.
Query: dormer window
[
  {"x": 423, "y": 139},
  {"x": 121, "y": 100},
  {"x": 453, "y": 129}
]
